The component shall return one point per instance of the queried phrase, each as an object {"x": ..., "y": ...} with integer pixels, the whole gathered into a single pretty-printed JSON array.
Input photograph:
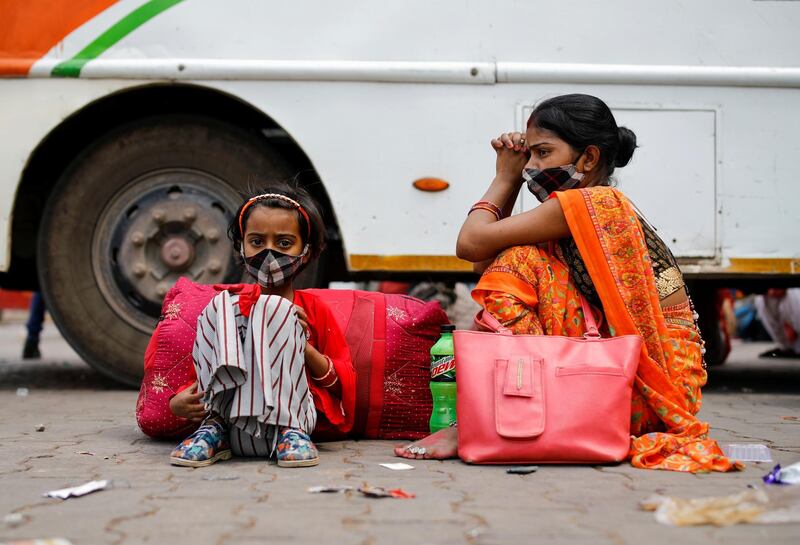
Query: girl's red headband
[{"x": 274, "y": 196}]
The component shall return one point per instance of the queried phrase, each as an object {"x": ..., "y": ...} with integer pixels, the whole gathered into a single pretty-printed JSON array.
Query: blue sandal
[
  {"x": 295, "y": 449},
  {"x": 202, "y": 448}
]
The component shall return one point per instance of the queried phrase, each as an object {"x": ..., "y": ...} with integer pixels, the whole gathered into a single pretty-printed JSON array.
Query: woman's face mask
[
  {"x": 543, "y": 182},
  {"x": 273, "y": 269}
]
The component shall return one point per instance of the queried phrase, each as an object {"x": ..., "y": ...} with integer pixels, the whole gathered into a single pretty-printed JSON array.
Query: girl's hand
[
  {"x": 187, "y": 404},
  {"x": 302, "y": 317},
  {"x": 512, "y": 154}
]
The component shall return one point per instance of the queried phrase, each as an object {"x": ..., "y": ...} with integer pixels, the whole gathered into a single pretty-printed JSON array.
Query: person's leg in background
[
  {"x": 778, "y": 311},
  {"x": 35, "y": 323},
  {"x": 790, "y": 310}
]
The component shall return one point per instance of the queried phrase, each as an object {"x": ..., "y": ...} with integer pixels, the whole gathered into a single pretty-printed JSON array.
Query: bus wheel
[{"x": 139, "y": 208}]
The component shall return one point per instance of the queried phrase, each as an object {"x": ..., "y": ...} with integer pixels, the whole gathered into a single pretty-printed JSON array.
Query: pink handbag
[{"x": 543, "y": 398}]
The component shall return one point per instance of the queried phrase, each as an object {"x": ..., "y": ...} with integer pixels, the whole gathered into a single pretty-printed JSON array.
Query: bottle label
[{"x": 445, "y": 365}]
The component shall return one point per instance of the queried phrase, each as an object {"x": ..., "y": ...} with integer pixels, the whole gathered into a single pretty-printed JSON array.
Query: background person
[
  {"x": 34, "y": 325},
  {"x": 779, "y": 311}
]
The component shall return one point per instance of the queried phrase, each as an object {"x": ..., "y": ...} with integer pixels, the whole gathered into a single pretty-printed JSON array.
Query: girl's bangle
[
  {"x": 331, "y": 383},
  {"x": 330, "y": 372}
]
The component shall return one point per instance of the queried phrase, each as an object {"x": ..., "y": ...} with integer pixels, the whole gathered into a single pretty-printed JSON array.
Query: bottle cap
[{"x": 448, "y": 328}]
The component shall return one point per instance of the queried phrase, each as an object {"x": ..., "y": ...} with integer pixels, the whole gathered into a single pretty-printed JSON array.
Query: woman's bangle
[
  {"x": 485, "y": 208},
  {"x": 489, "y": 207},
  {"x": 330, "y": 372}
]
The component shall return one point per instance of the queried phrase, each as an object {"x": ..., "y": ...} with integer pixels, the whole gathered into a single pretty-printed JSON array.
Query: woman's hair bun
[{"x": 627, "y": 143}]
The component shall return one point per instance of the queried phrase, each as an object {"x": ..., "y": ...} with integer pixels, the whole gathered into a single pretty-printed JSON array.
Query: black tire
[{"x": 103, "y": 314}]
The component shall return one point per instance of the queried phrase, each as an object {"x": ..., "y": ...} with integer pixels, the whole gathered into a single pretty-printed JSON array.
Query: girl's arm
[
  {"x": 318, "y": 364},
  {"x": 338, "y": 402}
]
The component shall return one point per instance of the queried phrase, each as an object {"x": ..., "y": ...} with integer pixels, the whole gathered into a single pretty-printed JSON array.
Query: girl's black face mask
[{"x": 273, "y": 269}]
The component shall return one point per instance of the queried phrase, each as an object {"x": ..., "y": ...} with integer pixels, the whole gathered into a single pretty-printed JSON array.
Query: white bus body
[{"x": 375, "y": 95}]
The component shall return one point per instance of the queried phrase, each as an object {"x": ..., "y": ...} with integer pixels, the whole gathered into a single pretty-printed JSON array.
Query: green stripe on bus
[{"x": 71, "y": 68}]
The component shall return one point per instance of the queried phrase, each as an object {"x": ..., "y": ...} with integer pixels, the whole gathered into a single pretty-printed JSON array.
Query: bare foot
[{"x": 437, "y": 446}]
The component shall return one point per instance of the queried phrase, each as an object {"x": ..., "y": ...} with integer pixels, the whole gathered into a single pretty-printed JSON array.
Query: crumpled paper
[{"x": 77, "y": 491}]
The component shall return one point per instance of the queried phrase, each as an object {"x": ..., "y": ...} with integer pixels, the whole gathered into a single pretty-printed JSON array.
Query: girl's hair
[
  {"x": 582, "y": 121},
  {"x": 313, "y": 234}
]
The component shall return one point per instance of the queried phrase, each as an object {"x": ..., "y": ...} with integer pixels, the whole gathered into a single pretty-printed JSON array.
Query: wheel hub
[
  {"x": 162, "y": 226},
  {"x": 177, "y": 253}
]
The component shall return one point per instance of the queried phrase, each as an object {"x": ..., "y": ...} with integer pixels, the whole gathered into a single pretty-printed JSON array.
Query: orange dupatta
[{"x": 609, "y": 238}]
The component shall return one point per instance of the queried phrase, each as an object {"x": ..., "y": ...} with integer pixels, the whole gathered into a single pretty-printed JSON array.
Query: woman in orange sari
[{"x": 587, "y": 238}]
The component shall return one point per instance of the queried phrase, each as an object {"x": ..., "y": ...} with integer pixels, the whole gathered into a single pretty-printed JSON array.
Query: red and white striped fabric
[{"x": 253, "y": 370}]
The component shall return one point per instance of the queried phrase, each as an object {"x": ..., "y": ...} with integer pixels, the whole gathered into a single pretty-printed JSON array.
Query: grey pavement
[{"x": 748, "y": 400}]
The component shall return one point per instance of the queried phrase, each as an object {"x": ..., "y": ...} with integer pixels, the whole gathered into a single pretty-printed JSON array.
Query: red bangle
[
  {"x": 484, "y": 208},
  {"x": 330, "y": 372},
  {"x": 492, "y": 206},
  {"x": 331, "y": 383},
  {"x": 489, "y": 207}
]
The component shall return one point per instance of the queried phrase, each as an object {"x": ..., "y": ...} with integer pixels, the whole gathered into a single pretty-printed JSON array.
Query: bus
[{"x": 131, "y": 126}]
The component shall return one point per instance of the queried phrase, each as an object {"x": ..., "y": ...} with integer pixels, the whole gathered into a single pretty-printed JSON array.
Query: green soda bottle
[{"x": 443, "y": 380}]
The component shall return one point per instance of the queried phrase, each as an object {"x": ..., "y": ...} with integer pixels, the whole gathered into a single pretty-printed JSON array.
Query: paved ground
[{"x": 748, "y": 400}]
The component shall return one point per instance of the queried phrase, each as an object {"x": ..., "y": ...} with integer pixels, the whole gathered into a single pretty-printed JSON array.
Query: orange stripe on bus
[
  {"x": 31, "y": 28},
  {"x": 426, "y": 263},
  {"x": 448, "y": 263}
]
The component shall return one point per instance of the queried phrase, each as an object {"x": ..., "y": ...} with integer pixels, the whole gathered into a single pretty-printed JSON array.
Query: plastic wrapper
[
  {"x": 747, "y": 452},
  {"x": 787, "y": 475},
  {"x": 366, "y": 490},
  {"x": 378, "y": 492},
  {"x": 330, "y": 489},
  {"x": 755, "y": 506}
]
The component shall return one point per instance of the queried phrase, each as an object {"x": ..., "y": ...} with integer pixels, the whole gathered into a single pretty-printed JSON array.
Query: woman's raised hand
[{"x": 512, "y": 154}]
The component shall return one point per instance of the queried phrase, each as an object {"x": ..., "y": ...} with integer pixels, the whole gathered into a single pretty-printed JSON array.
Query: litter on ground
[
  {"x": 77, "y": 491},
  {"x": 398, "y": 466},
  {"x": 756, "y": 506},
  {"x": 747, "y": 452}
]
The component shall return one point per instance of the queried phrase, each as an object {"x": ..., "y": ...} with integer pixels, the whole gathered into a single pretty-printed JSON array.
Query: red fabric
[
  {"x": 390, "y": 337},
  {"x": 169, "y": 368},
  {"x": 385, "y": 388},
  {"x": 361, "y": 317}
]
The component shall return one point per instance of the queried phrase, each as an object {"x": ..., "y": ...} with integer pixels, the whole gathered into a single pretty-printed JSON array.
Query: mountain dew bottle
[{"x": 443, "y": 380}]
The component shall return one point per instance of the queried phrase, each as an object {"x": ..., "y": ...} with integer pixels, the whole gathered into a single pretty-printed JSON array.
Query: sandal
[
  {"x": 202, "y": 448},
  {"x": 295, "y": 449}
]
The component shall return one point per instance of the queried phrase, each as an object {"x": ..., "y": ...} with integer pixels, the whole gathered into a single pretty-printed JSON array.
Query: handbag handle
[
  {"x": 486, "y": 322},
  {"x": 592, "y": 327}
]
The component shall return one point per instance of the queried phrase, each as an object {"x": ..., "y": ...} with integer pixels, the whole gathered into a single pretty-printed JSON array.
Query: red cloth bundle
[{"x": 389, "y": 337}]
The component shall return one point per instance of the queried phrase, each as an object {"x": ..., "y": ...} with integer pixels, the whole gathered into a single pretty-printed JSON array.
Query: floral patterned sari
[{"x": 528, "y": 288}]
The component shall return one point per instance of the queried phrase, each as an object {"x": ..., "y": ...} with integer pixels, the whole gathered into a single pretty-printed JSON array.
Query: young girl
[{"x": 272, "y": 364}]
